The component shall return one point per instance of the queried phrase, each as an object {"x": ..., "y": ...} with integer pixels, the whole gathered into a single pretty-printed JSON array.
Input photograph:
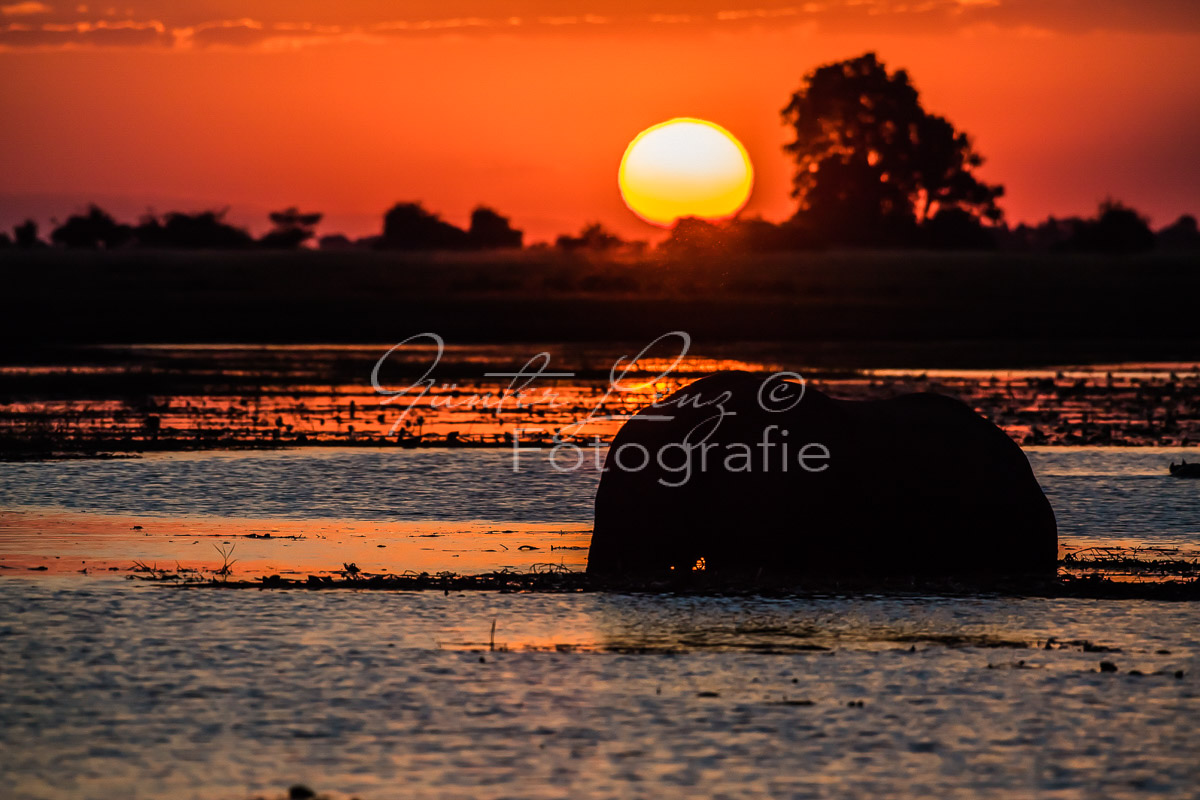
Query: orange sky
[{"x": 528, "y": 105}]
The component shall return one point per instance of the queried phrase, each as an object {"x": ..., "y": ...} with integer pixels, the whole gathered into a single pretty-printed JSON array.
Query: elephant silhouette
[{"x": 746, "y": 475}]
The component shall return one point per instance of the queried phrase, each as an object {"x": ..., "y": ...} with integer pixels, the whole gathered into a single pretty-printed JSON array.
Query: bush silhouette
[
  {"x": 335, "y": 241},
  {"x": 1182, "y": 234},
  {"x": 594, "y": 236},
  {"x": 1116, "y": 229},
  {"x": 490, "y": 231},
  {"x": 694, "y": 236},
  {"x": 408, "y": 226},
  {"x": 205, "y": 230},
  {"x": 95, "y": 229},
  {"x": 957, "y": 229},
  {"x": 26, "y": 235},
  {"x": 290, "y": 229}
]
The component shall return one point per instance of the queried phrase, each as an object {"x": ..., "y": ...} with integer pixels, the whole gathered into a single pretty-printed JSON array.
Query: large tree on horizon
[{"x": 871, "y": 162}]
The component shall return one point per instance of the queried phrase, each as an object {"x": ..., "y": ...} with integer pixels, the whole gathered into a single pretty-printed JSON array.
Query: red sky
[{"x": 527, "y": 106}]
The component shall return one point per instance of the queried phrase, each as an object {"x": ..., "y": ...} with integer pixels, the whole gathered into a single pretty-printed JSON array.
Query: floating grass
[{"x": 554, "y": 578}]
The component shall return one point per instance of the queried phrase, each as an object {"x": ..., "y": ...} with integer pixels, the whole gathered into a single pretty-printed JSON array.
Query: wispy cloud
[
  {"x": 24, "y": 9},
  {"x": 424, "y": 25},
  {"x": 757, "y": 13},
  {"x": 104, "y": 33},
  {"x": 177, "y": 25}
]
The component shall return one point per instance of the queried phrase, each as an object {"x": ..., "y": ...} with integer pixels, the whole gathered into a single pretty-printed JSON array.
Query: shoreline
[
  {"x": 457, "y": 556},
  {"x": 847, "y": 308}
]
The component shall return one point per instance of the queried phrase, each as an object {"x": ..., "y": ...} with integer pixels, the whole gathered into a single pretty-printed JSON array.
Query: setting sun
[{"x": 685, "y": 167}]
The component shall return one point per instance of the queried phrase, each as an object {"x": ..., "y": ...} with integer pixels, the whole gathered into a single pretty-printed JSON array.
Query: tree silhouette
[
  {"x": 693, "y": 236},
  {"x": 1116, "y": 229},
  {"x": 942, "y": 163},
  {"x": 290, "y": 229},
  {"x": 26, "y": 235},
  {"x": 408, "y": 226},
  {"x": 489, "y": 230},
  {"x": 594, "y": 236},
  {"x": 206, "y": 230},
  {"x": 955, "y": 228},
  {"x": 1182, "y": 234},
  {"x": 871, "y": 163},
  {"x": 335, "y": 241},
  {"x": 1051, "y": 234},
  {"x": 93, "y": 230}
]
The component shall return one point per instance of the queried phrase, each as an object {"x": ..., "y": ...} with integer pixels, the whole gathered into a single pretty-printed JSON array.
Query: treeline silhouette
[
  {"x": 1116, "y": 228},
  {"x": 873, "y": 168},
  {"x": 407, "y": 226}
]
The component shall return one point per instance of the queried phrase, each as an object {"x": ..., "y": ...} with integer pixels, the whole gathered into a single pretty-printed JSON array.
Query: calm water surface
[
  {"x": 117, "y": 689},
  {"x": 135, "y": 691},
  {"x": 1121, "y": 493}
]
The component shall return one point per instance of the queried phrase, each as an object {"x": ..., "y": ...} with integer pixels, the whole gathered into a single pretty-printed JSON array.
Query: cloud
[
  {"x": 128, "y": 33},
  {"x": 194, "y": 24},
  {"x": 222, "y": 33},
  {"x": 25, "y": 9}
]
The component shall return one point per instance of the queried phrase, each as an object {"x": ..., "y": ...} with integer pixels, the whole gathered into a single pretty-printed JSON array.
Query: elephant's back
[{"x": 916, "y": 483}]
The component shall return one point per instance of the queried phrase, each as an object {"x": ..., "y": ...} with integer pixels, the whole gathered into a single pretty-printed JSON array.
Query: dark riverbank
[{"x": 845, "y": 309}]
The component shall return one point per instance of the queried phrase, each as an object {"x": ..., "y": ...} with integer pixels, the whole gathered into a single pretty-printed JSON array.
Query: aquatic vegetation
[
  {"x": 1127, "y": 578},
  {"x": 226, "y": 568},
  {"x": 1143, "y": 562},
  {"x": 204, "y": 398}
]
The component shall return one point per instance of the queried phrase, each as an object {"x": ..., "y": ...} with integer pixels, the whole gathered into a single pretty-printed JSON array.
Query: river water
[{"x": 112, "y": 688}]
